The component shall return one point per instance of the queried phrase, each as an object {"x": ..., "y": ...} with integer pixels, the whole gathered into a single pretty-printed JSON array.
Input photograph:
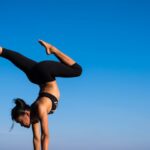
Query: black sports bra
[{"x": 52, "y": 98}]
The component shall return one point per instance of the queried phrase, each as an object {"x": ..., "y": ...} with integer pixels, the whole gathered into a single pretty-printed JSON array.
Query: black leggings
[{"x": 44, "y": 71}]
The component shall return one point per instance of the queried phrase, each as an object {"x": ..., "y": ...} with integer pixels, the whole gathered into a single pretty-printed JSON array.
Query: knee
[{"x": 77, "y": 70}]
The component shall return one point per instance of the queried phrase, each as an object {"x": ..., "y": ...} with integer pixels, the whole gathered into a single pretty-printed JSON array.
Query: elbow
[
  {"x": 36, "y": 139},
  {"x": 45, "y": 137},
  {"x": 45, "y": 142}
]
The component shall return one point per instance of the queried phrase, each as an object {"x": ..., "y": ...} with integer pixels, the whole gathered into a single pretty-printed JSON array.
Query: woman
[{"x": 43, "y": 74}]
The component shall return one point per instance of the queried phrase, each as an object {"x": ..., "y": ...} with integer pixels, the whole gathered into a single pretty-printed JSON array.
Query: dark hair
[{"x": 19, "y": 109}]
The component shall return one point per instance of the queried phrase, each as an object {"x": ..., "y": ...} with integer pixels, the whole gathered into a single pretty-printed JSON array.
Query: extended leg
[{"x": 22, "y": 62}]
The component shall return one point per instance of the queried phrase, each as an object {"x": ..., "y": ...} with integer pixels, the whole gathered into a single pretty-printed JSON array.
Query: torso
[
  {"x": 49, "y": 87},
  {"x": 52, "y": 88}
]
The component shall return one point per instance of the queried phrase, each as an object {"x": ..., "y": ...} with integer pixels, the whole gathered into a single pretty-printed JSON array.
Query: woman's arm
[
  {"x": 44, "y": 127},
  {"x": 36, "y": 136}
]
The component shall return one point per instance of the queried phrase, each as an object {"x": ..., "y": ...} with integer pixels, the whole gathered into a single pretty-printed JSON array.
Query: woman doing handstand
[{"x": 43, "y": 74}]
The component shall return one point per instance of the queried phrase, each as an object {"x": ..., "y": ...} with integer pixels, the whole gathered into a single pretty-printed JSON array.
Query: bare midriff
[{"x": 51, "y": 87}]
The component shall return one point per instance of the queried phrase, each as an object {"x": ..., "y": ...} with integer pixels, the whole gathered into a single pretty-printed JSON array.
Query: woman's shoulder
[{"x": 38, "y": 106}]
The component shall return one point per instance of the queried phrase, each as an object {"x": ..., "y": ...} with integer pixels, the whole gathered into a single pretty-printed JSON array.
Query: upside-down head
[{"x": 21, "y": 113}]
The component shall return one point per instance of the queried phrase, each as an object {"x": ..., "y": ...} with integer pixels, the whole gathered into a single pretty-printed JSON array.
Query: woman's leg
[
  {"x": 68, "y": 67},
  {"x": 60, "y": 55},
  {"x": 22, "y": 62}
]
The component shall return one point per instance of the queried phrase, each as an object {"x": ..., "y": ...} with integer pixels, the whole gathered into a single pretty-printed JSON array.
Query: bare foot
[
  {"x": 49, "y": 48},
  {"x": 1, "y": 49}
]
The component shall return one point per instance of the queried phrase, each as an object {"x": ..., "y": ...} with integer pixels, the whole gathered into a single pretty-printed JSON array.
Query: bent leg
[
  {"x": 62, "y": 70},
  {"x": 22, "y": 62},
  {"x": 58, "y": 69},
  {"x": 67, "y": 66}
]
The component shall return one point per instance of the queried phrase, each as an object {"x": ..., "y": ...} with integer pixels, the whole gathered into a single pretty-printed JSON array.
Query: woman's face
[{"x": 24, "y": 120}]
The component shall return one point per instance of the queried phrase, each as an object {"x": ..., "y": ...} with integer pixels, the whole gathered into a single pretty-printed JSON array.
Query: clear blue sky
[{"x": 107, "y": 108}]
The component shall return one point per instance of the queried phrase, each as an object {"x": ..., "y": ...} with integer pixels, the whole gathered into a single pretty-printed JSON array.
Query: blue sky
[{"x": 107, "y": 107}]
